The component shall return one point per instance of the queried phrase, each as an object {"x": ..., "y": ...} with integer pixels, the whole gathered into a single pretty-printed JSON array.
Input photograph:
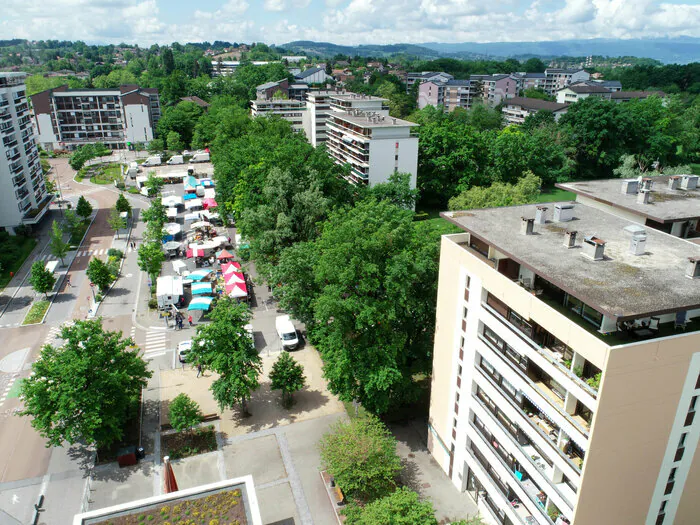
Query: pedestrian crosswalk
[
  {"x": 55, "y": 332},
  {"x": 155, "y": 343},
  {"x": 82, "y": 253}
]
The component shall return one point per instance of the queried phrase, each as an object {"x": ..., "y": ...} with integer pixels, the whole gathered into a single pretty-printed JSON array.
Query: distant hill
[{"x": 667, "y": 50}]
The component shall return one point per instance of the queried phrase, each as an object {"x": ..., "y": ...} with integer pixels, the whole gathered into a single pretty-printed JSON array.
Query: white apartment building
[
  {"x": 292, "y": 111},
  {"x": 68, "y": 118},
  {"x": 580, "y": 90},
  {"x": 24, "y": 199},
  {"x": 516, "y": 110},
  {"x": 566, "y": 367},
  {"x": 375, "y": 146},
  {"x": 318, "y": 108},
  {"x": 556, "y": 79}
]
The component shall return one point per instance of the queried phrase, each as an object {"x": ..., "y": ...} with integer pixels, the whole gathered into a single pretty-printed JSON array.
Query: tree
[
  {"x": 184, "y": 413},
  {"x": 534, "y": 65},
  {"x": 156, "y": 146},
  {"x": 83, "y": 208},
  {"x": 59, "y": 248},
  {"x": 99, "y": 274},
  {"x": 122, "y": 205},
  {"x": 525, "y": 191},
  {"x": 288, "y": 376},
  {"x": 41, "y": 279},
  {"x": 401, "y": 507},
  {"x": 361, "y": 456},
  {"x": 85, "y": 390},
  {"x": 168, "y": 61},
  {"x": 538, "y": 93},
  {"x": 153, "y": 183},
  {"x": 72, "y": 224},
  {"x": 181, "y": 119},
  {"x": 174, "y": 141},
  {"x": 116, "y": 221},
  {"x": 225, "y": 347},
  {"x": 535, "y": 120},
  {"x": 155, "y": 213},
  {"x": 396, "y": 191},
  {"x": 151, "y": 258}
]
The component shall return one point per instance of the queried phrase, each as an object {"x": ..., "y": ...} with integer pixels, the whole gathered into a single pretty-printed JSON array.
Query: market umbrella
[
  {"x": 209, "y": 203},
  {"x": 220, "y": 240},
  {"x": 228, "y": 268},
  {"x": 224, "y": 254},
  {"x": 198, "y": 275},
  {"x": 169, "y": 475},
  {"x": 172, "y": 228},
  {"x": 172, "y": 245},
  {"x": 237, "y": 290},
  {"x": 171, "y": 200},
  {"x": 207, "y": 183},
  {"x": 234, "y": 278},
  {"x": 194, "y": 252},
  {"x": 201, "y": 288},
  {"x": 190, "y": 196},
  {"x": 210, "y": 193},
  {"x": 200, "y": 303},
  {"x": 200, "y": 224}
]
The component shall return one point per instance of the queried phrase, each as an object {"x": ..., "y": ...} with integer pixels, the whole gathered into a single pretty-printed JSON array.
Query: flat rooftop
[
  {"x": 367, "y": 121},
  {"x": 621, "y": 285},
  {"x": 357, "y": 96},
  {"x": 666, "y": 205}
]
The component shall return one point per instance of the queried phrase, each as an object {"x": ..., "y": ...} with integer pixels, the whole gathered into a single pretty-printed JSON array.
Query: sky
[{"x": 347, "y": 22}]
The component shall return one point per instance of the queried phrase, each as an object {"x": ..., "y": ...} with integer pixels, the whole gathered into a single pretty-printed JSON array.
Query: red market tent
[
  {"x": 237, "y": 290},
  {"x": 228, "y": 268},
  {"x": 224, "y": 254},
  {"x": 197, "y": 252},
  {"x": 235, "y": 277},
  {"x": 209, "y": 203}
]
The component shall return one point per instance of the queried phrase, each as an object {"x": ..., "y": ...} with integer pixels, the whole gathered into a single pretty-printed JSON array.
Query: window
[
  {"x": 459, "y": 370},
  {"x": 457, "y": 397},
  {"x": 690, "y": 417},
  {"x": 681, "y": 447}
]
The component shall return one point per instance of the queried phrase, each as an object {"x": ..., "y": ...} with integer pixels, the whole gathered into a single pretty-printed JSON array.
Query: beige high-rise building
[{"x": 566, "y": 369}]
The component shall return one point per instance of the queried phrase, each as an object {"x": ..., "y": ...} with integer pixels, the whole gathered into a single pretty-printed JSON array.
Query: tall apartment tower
[
  {"x": 68, "y": 118},
  {"x": 566, "y": 368},
  {"x": 23, "y": 197},
  {"x": 318, "y": 108}
]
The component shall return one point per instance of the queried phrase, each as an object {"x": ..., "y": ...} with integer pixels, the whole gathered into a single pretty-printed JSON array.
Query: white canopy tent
[{"x": 193, "y": 203}]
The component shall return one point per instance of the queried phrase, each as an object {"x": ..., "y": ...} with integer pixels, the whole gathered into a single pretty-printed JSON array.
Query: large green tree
[
  {"x": 287, "y": 376},
  {"x": 151, "y": 258},
  {"x": 85, "y": 390},
  {"x": 401, "y": 507},
  {"x": 100, "y": 274},
  {"x": 83, "y": 208},
  {"x": 361, "y": 455},
  {"x": 41, "y": 279},
  {"x": 180, "y": 119},
  {"x": 59, "y": 248},
  {"x": 225, "y": 347}
]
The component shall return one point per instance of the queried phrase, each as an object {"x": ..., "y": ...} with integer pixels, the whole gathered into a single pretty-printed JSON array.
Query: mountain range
[{"x": 681, "y": 50}]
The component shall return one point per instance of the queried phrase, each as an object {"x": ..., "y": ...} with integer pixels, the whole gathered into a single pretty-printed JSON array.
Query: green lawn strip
[
  {"x": 695, "y": 168},
  {"x": 15, "y": 390},
  {"x": 555, "y": 195},
  {"x": 350, "y": 409},
  {"x": 133, "y": 190},
  {"x": 36, "y": 312},
  {"x": 107, "y": 174},
  {"x": 22, "y": 247}
]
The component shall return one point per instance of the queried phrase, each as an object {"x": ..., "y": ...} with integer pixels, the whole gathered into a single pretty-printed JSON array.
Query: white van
[
  {"x": 286, "y": 332},
  {"x": 155, "y": 160},
  {"x": 132, "y": 170},
  {"x": 200, "y": 157},
  {"x": 176, "y": 159}
]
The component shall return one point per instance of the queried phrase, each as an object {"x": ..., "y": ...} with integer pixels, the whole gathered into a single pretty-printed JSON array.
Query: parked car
[{"x": 183, "y": 348}]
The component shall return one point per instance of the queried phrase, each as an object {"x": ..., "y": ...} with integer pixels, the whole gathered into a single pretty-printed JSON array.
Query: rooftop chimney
[
  {"x": 643, "y": 197},
  {"x": 541, "y": 215},
  {"x": 570, "y": 238},
  {"x": 647, "y": 182},
  {"x": 693, "y": 268},
  {"x": 689, "y": 182},
  {"x": 638, "y": 244},
  {"x": 674, "y": 182},
  {"x": 563, "y": 212},
  {"x": 594, "y": 248},
  {"x": 629, "y": 186},
  {"x": 526, "y": 225}
]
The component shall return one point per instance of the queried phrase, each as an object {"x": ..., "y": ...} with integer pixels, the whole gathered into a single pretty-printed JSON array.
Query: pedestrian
[
  {"x": 189, "y": 319},
  {"x": 229, "y": 240},
  {"x": 199, "y": 370},
  {"x": 68, "y": 281}
]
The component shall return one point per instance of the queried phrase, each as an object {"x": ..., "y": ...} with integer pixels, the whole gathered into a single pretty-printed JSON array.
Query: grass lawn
[
  {"x": 350, "y": 409},
  {"x": 695, "y": 168},
  {"x": 186, "y": 444},
  {"x": 555, "y": 195},
  {"x": 13, "y": 252},
  {"x": 36, "y": 312},
  {"x": 133, "y": 190},
  {"x": 107, "y": 174}
]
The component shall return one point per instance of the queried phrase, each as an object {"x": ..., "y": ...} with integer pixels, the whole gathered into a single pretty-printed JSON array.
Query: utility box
[{"x": 563, "y": 212}]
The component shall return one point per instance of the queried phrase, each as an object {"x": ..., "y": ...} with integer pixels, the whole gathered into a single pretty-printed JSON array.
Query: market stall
[
  {"x": 198, "y": 275},
  {"x": 201, "y": 289},
  {"x": 171, "y": 201},
  {"x": 200, "y": 303}
]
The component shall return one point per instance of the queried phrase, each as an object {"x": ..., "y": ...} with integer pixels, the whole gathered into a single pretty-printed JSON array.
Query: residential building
[
  {"x": 556, "y": 79},
  {"x": 580, "y": 90},
  {"x": 491, "y": 90},
  {"x": 219, "y": 495},
  {"x": 516, "y": 110},
  {"x": 532, "y": 81},
  {"x": 318, "y": 109},
  {"x": 667, "y": 203},
  {"x": 374, "y": 146},
  {"x": 228, "y": 67},
  {"x": 345, "y": 102},
  {"x": 612, "y": 85},
  {"x": 267, "y": 91},
  {"x": 566, "y": 367},
  {"x": 450, "y": 94},
  {"x": 293, "y": 59},
  {"x": 201, "y": 103},
  {"x": 25, "y": 199},
  {"x": 431, "y": 93},
  {"x": 627, "y": 96},
  {"x": 290, "y": 110},
  {"x": 68, "y": 118},
  {"x": 298, "y": 91},
  {"x": 425, "y": 76},
  {"x": 313, "y": 75}
]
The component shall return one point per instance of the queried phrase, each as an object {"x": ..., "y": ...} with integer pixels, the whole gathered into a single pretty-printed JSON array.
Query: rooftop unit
[
  {"x": 674, "y": 182},
  {"x": 594, "y": 248},
  {"x": 563, "y": 212},
  {"x": 526, "y": 225},
  {"x": 630, "y": 186},
  {"x": 644, "y": 196},
  {"x": 689, "y": 182}
]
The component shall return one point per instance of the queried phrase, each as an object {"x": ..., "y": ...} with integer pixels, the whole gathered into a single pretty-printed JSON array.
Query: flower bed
[
  {"x": 36, "y": 312},
  {"x": 186, "y": 444},
  {"x": 221, "y": 508}
]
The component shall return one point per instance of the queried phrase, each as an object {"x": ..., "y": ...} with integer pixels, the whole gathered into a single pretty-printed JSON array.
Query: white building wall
[
  {"x": 137, "y": 123},
  {"x": 383, "y": 163},
  {"x": 46, "y": 136}
]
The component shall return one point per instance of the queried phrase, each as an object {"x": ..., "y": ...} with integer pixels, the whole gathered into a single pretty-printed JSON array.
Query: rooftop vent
[
  {"x": 594, "y": 248},
  {"x": 644, "y": 196},
  {"x": 570, "y": 238},
  {"x": 647, "y": 183},
  {"x": 563, "y": 212},
  {"x": 638, "y": 243},
  {"x": 693, "y": 268},
  {"x": 629, "y": 186},
  {"x": 541, "y": 215},
  {"x": 527, "y": 225},
  {"x": 674, "y": 182},
  {"x": 689, "y": 182}
]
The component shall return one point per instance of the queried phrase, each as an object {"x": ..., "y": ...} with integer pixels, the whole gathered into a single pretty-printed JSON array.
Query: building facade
[
  {"x": 516, "y": 110},
  {"x": 580, "y": 90},
  {"x": 313, "y": 75},
  {"x": 24, "y": 197},
  {"x": 556, "y": 79},
  {"x": 68, "y": 118},
  {"x": 426, "y": 76},
  {"x": 292, "y": 111},
  {"x": 492, "y": 90},
  {"x": 374, "y": 146},
  {"x": 566, "y": 368},
  {"x": 318, "y": 109}
]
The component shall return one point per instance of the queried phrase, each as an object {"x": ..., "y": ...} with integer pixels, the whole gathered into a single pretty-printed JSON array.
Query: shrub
[
  {"x": 98, "y": 298},
  {"x": 153, "y": 303},
  {"x": 113, "y": 252}
]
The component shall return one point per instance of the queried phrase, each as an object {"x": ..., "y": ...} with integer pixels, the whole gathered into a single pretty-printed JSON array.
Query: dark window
[
  {"x": 669, "y": 488},
  {"x": 697, "y": 383}
]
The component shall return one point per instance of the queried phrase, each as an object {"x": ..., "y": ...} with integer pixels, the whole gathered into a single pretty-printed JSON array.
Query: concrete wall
[
  {"x": 137, "y": 123},
  {"x": 382, "y": 158},
  {"x": 47, "y": 138}
]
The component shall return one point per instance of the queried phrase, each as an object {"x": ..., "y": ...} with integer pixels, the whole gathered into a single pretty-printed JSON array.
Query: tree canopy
[
  {"x": 401, "y": 507},
  {"x": 41, "y": 279}
]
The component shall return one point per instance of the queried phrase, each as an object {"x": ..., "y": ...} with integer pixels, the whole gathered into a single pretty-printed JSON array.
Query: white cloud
[{"x": 275, "y": 5}]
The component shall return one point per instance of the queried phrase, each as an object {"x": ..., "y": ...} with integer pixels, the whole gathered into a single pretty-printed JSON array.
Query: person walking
[
  {"x": 199, "y": 370},
  {"x": 68, "y": 281},
  {"x": 189, "y": 319}
]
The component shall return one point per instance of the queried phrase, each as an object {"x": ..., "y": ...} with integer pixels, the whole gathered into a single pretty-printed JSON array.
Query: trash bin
[{"x": 140, "y": 453}]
